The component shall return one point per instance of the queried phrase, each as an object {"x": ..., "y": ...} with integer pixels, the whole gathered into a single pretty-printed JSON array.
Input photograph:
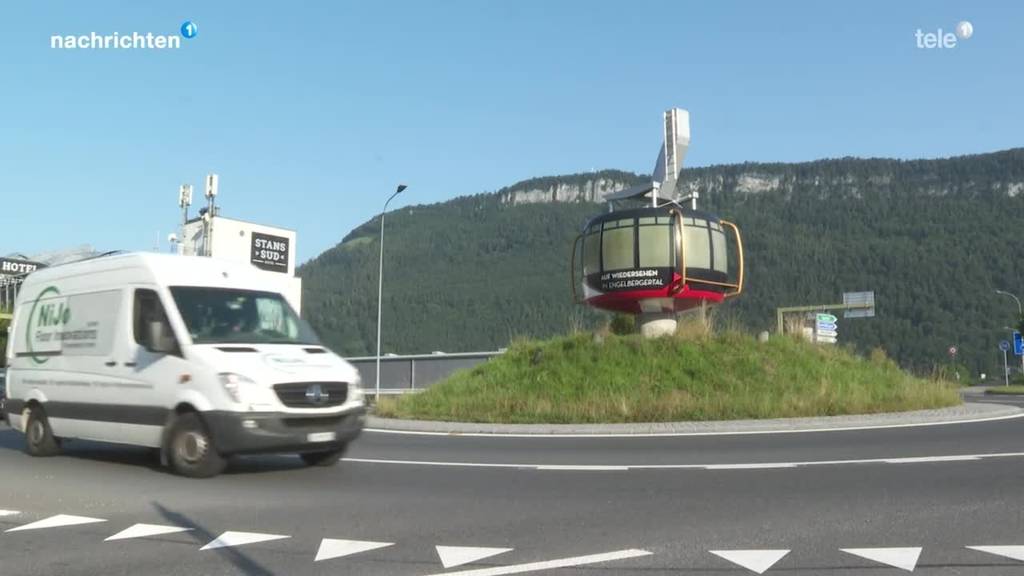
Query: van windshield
[{"x": 232, "y": 316}]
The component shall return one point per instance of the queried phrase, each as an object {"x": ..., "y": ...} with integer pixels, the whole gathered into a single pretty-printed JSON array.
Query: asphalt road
[{"x": 550, "y": 502}]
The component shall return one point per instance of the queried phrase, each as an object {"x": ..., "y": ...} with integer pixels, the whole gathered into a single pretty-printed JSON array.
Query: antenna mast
[{"x": 212, "y": 181}]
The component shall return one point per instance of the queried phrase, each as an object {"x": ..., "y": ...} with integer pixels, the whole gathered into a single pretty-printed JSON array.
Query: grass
[
  {"x": 583, "y": 379},
  {"x": 1008, "y": 390}
]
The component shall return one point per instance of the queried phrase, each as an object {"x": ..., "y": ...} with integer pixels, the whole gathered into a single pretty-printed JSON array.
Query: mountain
[{"x": 933, "y": 238}]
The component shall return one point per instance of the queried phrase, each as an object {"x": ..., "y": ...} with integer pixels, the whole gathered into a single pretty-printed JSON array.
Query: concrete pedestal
[{"x": 657, "y": 324}]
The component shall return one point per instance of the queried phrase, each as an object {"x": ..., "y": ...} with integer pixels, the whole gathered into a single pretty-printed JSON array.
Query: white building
[{"x": 267, "y": 247}]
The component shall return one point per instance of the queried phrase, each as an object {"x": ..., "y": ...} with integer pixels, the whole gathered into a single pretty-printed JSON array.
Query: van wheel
[
  {"x": 323, "y": 458},
  {"x": 39, "y": 438},
  {"x": 191, "y": 450}
]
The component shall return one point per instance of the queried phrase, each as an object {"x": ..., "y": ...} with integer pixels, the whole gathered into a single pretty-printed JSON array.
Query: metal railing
[{"x": 414, "y": 372}]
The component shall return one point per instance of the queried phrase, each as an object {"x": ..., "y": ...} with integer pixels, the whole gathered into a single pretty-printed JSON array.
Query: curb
[{"x": 965, "y": 413}]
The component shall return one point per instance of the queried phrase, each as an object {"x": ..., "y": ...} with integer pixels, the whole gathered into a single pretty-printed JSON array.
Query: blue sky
[{"x": 312, "y": 112}]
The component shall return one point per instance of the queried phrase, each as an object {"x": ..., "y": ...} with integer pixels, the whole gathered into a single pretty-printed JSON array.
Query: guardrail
[{"x": 414, "y": 372}]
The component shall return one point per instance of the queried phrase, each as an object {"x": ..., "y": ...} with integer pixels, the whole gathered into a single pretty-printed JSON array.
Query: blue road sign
[
  {"x": 1018, "y": 344},
  {"x": 1004, "y": 346}
]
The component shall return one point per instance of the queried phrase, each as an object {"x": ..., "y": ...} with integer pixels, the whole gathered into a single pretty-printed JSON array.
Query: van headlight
[
  {"x": 355, "y": 391},
  {"x": 233, "y": 384}
]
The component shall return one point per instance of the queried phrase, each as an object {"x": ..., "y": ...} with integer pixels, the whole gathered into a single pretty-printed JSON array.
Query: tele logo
[{"x": 940, "y": 39}]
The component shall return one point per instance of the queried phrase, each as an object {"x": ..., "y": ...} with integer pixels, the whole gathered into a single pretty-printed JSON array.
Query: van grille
[
  {"x": 313, "y": 423},
  {"x": 312, "y": 394}
]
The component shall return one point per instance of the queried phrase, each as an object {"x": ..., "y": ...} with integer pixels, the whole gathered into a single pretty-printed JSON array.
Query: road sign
[
  {"x": 826, "y": 328},
  {"x": 1018, "y": 344},
  {"x": 866, "y": 299},
  {"x": 1004, "y": 346}
]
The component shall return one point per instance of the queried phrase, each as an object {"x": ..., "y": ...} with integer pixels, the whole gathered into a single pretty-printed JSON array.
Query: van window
[
  {"x": 235, "y": 316},
  {"x": 147, "y": 309}
]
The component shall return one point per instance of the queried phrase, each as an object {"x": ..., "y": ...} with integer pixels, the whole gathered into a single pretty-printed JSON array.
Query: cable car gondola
[{"x": 660, "y": 259}]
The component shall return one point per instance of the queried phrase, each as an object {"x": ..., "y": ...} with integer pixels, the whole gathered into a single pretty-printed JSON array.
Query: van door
[{"x": 151, "y": 366}]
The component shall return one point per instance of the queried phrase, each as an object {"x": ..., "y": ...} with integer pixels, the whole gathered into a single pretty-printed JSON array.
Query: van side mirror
[{"x": 160, "y": 339}]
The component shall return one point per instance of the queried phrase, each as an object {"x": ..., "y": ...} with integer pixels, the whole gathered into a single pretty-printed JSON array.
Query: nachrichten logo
[{"x": 126, "y": 41}]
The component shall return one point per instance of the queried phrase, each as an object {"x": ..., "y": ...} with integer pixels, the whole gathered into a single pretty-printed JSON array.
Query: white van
[{"x": 200, "y": 358}]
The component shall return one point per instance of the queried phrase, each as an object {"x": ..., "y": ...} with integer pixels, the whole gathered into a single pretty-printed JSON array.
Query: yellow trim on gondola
[
  {"x": 739, "y": 250},
  {"x": 680, "y": 247}
]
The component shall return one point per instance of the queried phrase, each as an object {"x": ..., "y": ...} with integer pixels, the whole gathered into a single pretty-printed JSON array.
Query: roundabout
[{"x": 934, "y": 498}]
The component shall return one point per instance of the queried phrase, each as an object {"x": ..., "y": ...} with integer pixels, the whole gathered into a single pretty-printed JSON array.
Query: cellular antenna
[{"x": 212, "y": 182}]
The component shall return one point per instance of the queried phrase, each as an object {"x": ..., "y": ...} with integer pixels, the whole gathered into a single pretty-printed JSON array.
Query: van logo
[
  {"x": 316, "y": 394},
  {"x": 43, "y": 319}
]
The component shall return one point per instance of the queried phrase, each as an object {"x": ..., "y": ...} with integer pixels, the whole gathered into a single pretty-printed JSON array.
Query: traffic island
[{"x": 582, "y": 379}]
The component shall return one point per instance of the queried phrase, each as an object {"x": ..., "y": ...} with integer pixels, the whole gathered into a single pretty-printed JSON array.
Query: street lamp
[
  {"x": 380, "y": 281},
  {"x": 1020, "y": 316}
]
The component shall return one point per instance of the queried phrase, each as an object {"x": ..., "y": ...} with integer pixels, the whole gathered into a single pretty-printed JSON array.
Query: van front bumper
[{"x": 257, "y": 432}]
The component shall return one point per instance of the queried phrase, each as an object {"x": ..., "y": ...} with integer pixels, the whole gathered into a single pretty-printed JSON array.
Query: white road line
[
  {"x": 765, "y": 466},
  {"x": 550, "y": 564},
  {"x": 757, "y": 561},
  {"x": 430, "y": 463},
  {"x": 723, "y": 466},
  {"x": 330, "y": 548},
  {"x": 924, "y": 459},
  {"x": 144, "y": 530},
  {"x": 9, "y": 513},
  {"x": 902, "y": 558},
  {"x": 582, "y": 467},
  {"x": 239, "y": 538},
  {"x": 452, "y": 556},
  {"x": 1012, "y": 552},
  {"x": 56, "y": 521},
  {"x": 683, "y": 434}
]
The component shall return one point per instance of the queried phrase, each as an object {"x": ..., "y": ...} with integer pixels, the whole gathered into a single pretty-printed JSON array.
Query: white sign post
[{"x": 1005, "y": 347}]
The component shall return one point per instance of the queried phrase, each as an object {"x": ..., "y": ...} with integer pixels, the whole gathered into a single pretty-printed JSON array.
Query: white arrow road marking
[
  {"x": 754, "y": 560},
  {"x": 330, "y": 548},
  {"x": 902, "y": 558},
  {"x": 144, "y": 530},
  {"x": 55, "y": 521},
  {"x": 452, "y": 556},
  {"x": 1014, "y": 552},
  {"x": 550, "y": 564},
  {"x": 239, "y": 538},
  {"x": 9, "y": 513}
]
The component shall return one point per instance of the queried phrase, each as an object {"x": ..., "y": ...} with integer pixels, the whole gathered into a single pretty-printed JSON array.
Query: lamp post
[
  {"x": 380, "y": 282},
  {"x": 1020, "y": 316}
]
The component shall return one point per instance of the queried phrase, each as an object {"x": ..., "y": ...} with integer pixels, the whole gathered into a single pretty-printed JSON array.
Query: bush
[{"x": 623, "y": 324}]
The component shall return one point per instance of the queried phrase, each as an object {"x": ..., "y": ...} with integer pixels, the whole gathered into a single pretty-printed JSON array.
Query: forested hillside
[{"x": 932, "y": 238}]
